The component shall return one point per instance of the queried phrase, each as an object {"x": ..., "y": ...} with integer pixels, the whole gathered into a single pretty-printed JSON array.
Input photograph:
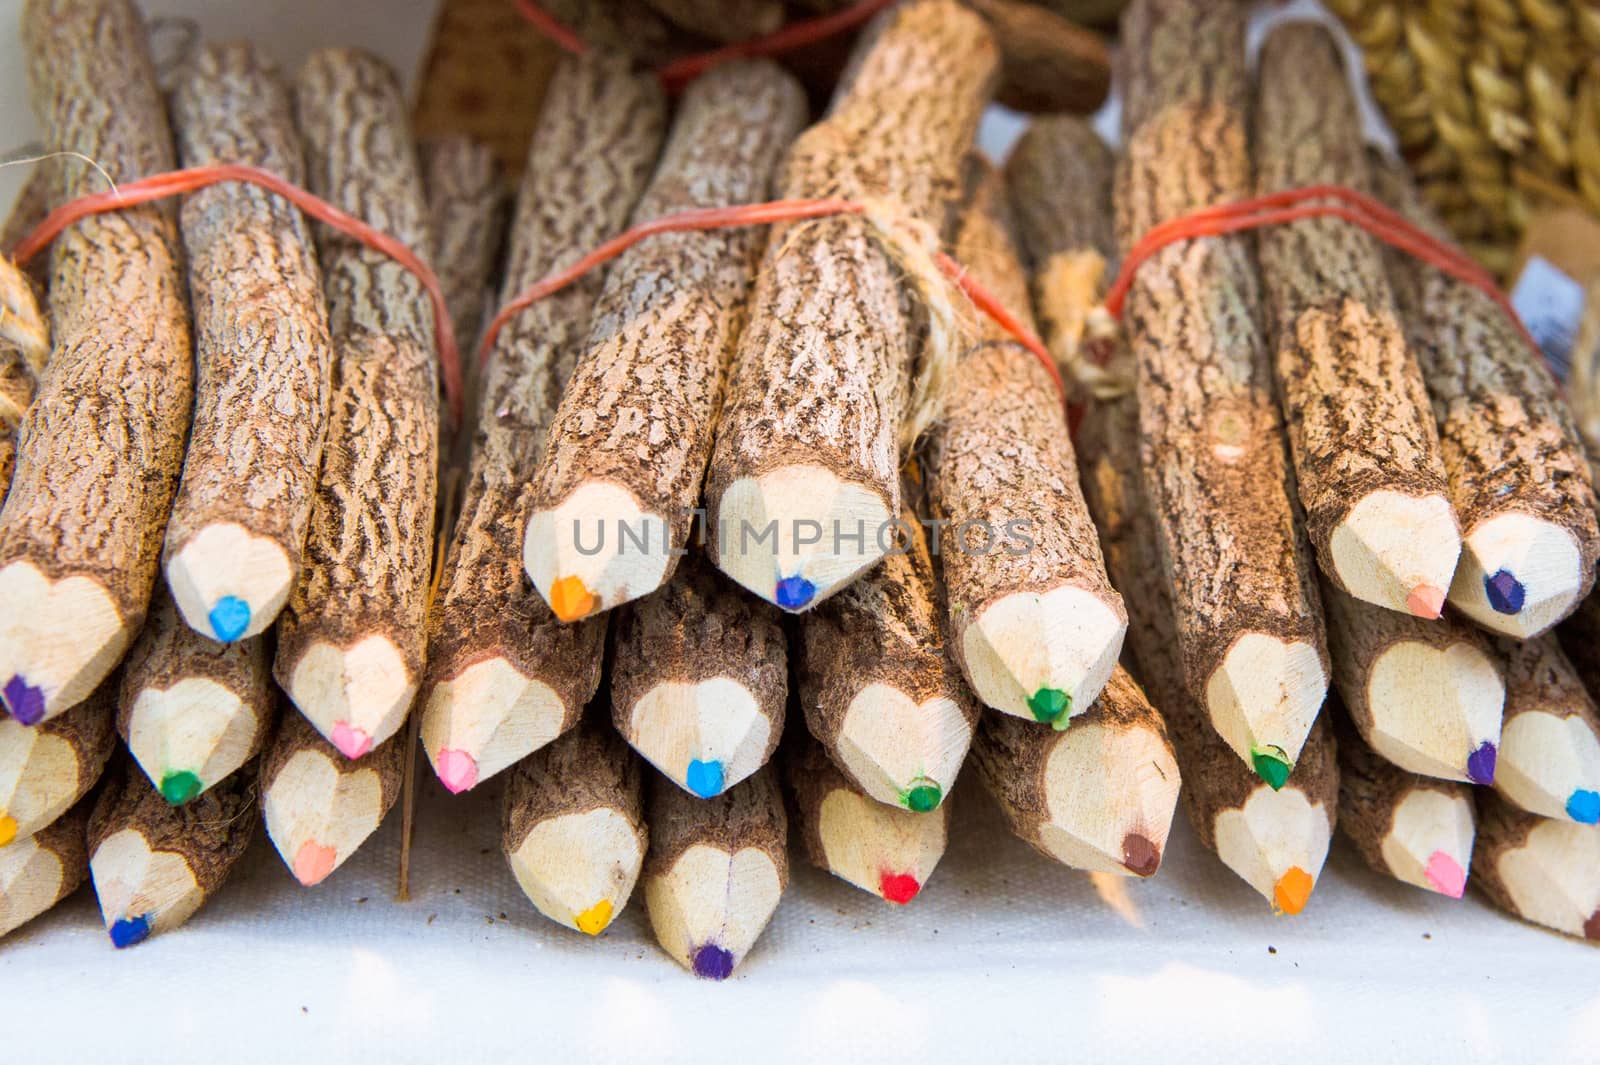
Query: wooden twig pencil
[
  {"x": 1427, "y": 695},
  {"x": 1416, "y": 829},
  {"x": 882, "y": 850},
  {"x": 40, "y": 871},
  {"x": 155, "y": 864},
  {"x": 352, "y": 642},
  {"x": 1034, "y": 620},
  {"x": 238, "y": 525},
  {"x": 1549, "y": 760},
  {"x": 1366, "y": 450},
  {"x": 724, "y": 20},
  {"x": 1273, "y": 834},
  {"x": 879, "y": 691},
  {"x": 80, "y": 535},
  {"x": 1211, "y": 437},
  {"x": 715, "y": 871},
  {"x": 47, "y": 768},
  {"x": 464, "y": 199},
  {"x": 192, "y": 710},
  {"x": 700, "y": 679},
  {"x": 632, "y": 28},
  {"x": 1048, "y": 63},
  {"x": 1519, "y": 477},
  {"x": 505, "y": 676},
  {"x": 319, "y": 806},
  {"x": 615, "y": 491},
  {"x": 1099, "y": 796},
  {"x": 1541, "y": 870},
  {"x": 804, "y": 476},
  {"x": 24, "y": 342},
  {"x": 33, "y": 202},
  {"x": 573, "y": 827}
]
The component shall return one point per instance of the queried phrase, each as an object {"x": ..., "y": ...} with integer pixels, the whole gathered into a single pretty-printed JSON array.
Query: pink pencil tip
[
  {"x": 457, "y": 771},
  {"x": 352, "y": 742},
  {"x": 1425, "y": 601},
  {"x": 1446, "y": 875},
  {"x": 313, "y": 862}
]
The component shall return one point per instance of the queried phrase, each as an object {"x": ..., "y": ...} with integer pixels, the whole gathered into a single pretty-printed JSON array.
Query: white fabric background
[{"x": 1005, "y": 957}]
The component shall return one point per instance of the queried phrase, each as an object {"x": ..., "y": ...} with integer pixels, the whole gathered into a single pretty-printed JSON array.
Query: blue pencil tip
[
  {"x": 130, "y": 931},
  {"x": 794, "y": 593},
  {"x": 23, "y": 700},
  {"x": 711, "y": 962},
  {"x": 704, "y": 778},
  {"x": 1480, "y": 764},
  {"x": 1583, "y": 806},
  {"x": 229, "y": 618},
  {"x": 1505, "y": 593}
]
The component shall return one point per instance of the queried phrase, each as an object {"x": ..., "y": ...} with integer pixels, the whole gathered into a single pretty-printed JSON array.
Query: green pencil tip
[
  {"x": 923, "y": 798},
  {"x": 1271, "y": 765},
  {"x": 178, "y": 788},
  {"x": 1051, "y": 706}
]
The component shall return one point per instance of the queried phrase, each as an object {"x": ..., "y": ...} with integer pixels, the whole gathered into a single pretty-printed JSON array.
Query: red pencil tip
[
  {"x": 898, "y": 888},
  {"x": 1425, "y": 601}
]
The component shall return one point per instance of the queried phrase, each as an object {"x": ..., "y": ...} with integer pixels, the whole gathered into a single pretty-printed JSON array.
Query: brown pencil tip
[{"x": 1140, "y": 856}]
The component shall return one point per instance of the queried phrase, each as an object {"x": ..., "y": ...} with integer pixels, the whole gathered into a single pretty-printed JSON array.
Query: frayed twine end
[{"x": 1083, "y": 336}]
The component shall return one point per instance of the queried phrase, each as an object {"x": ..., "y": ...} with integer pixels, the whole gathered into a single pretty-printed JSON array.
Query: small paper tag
[{"x": 1550, "y": 304}]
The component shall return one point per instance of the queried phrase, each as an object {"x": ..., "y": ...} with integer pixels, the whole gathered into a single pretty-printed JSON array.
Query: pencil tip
[
  {"x": 1480, "y": 764},
  {"x": 595, "y": 919},
  {"x": 1504, "y": 592},
  {"x": 571, "y": 599},
  {"x": 457, "y": 770},
  {"x": 1425, "y": 601},
  {"x": 1583, "y": 806},
  {"x": 8, "y": 829},
  {"x": 704, "y": 778},
  {"x": 1446, "y": 875},
  {"x": 1272, "y": 765},
  {"x": 1140, "y": 856},
  {"x": 229, "y": 618},
  {"x": 313, "y": 862},
  {"x": 1051, "y": 706},
  {"x": 711, "y": 962},
  {"x": 129, "y": 931},
  {"x": 794, "y": 593},
  {"x": 1292, "y": 890},
  {"x": 898, "y": 888},
  {"x": 24, "y": 701},
  {"x": 923, "y": 797},
  {"x": 1591, "y": 927},
  {"x": 179, "y": 787},
  {"x": 352, "y": 742}
]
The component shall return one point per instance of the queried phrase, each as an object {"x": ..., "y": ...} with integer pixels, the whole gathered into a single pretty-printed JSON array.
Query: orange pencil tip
[
  {"x": 1425, "y": 601},
  {"x": 570, "y": 599},
  {"x": 1293, "y": 890}
]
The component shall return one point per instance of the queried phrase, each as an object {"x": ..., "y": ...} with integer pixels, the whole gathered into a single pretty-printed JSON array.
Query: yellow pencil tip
[
  {"x": 8, "y": 829},
  {"x": 1293, "y": 890},
  {"x": 570, "y": 599},
  {"x": 594, "y": 920}
]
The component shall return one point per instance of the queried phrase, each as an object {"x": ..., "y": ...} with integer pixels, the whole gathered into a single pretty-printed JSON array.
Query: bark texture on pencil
[
  {"x": 1034, "y": 621},
  {"x": 1366, "y": 450},
  {"x": 238, "y": 525},
  {"x": 573, "y": 827},
  {"x": 352, "y": 640},
  {"x": 505, "y": 676},
  {"x": 24, "y": 353},
  {"x": 700, "y": 680},
  {"x": 464, "y": 199},
  {"x": 1519, "y": 477},
  {"x": 33, "y": 202},
  {"x": 1543, "y": 871},
  {"x": 1047, "y": 62},
  {"x": 615, "y": 492},
  {"x": 46, "y": 768},
  {"x": 1211, "y": 437},
  {"x": 155, "y": 864},
  {"x": 808, "y": 445},
  {"x": 631, "y": 28},
  {"x": 724, "y": 20},
  {"x": 192, "y": 710},
  {"x": 1549, "y": 761},
  {"x": 40, "y": 871},
  {"x": 80, "y": 535},
  {"x": 715, "y": 872},
  {"x": 880, "y": 692}
]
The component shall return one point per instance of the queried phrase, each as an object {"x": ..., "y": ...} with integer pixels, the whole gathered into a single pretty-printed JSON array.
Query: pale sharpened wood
[
  {"x": 882, "y": 850},
  {"x": 155, "y": 864},
  {"x": 318, "y": 805},
  {"x": 1211, "y": 437},
  {"x": 1519, "y": 477},
  {"x": 1048, "y": 63},
  {"x": 1275, "y": 838},
  {"x": 808, "y": 443},
  {"x": 352, "y": 640},
  {"x": 1366, "y": 450},
  {"x": 190, "y": 709},
  {"x": 1416, "y": 829},
  {"x": 572, "y": 827},
  {"x": 1549, "y": 761},
  {"x": 880, "y": 692},
  {"x": 716, "y": 871},
  {"x": 1543, "y": 871},
  {"x": 1427, "y": 695},
  {"x": 46, "y": 768},
  {"x": 505, "y": 676},
  {"x": 238, "y": 524},
  {"x": 615, "y": 493},
  {"x": 1033, "y": 618},
  {"x": 700, "y": 679},
  {"x": 40, "y": 871},
  {"x": 1099, "y": 796},
  {"x": 100, "y": 449},
  {"x": 723, "y": 20}
]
